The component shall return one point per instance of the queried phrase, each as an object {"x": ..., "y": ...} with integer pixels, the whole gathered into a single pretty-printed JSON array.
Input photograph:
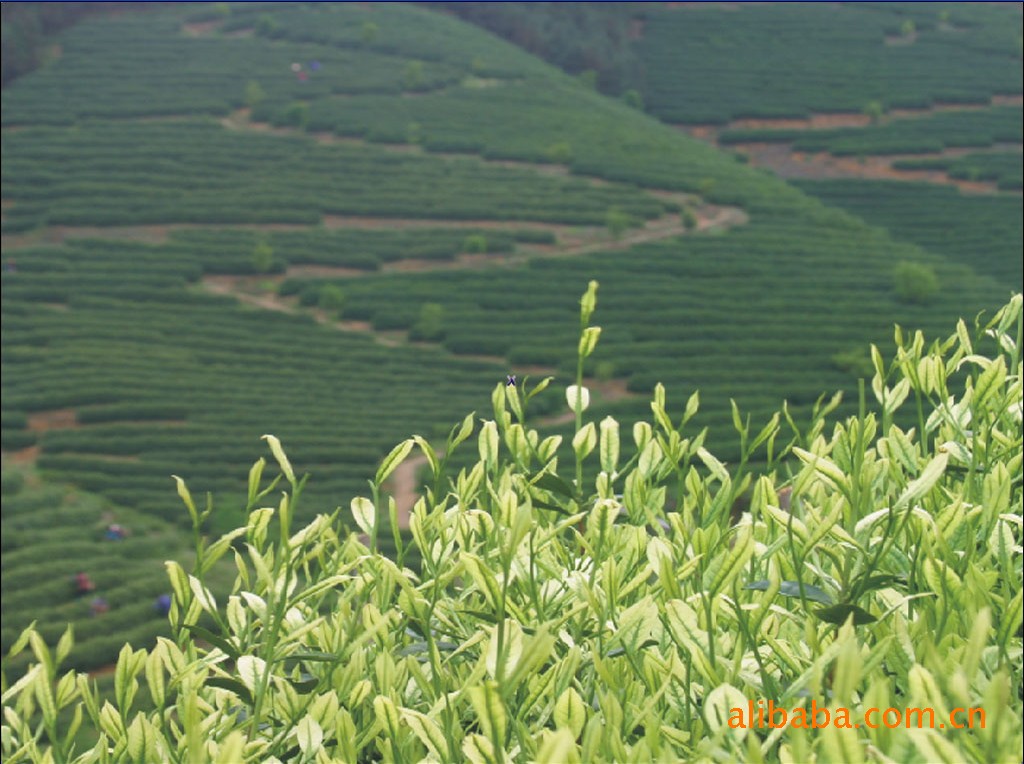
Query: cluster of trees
[
  {"x": 577, "y": 37},
  {"x": 27, "y": 28}
]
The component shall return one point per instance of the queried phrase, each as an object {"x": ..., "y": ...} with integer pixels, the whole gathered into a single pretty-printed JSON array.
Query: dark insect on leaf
[
  {"x": 792, "y": 589},
  {"x": 510, "y": 380},
  {"x": 838, "y": 614}
]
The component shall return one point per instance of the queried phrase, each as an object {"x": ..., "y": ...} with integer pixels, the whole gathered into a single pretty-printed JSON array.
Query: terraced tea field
[
  {"x": 344, "y": 224},
  {"x": 53, "y": 533},
  {"x": 787, "y": 60}
]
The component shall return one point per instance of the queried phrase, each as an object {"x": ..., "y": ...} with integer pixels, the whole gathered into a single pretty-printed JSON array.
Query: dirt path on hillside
[
  {"x": 253, "y": 289},
  {"x": 831, "y": 120},
  {"x": 789, "y": 164},
  {"x": 708, "y": 217},
  {"x": 574, "y": 239}
]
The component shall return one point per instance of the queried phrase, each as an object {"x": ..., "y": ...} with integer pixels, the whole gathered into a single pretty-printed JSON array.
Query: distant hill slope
[
  {"x": 717, "y": 62},
  {"x": 166, "y": 148},
  {"x": 51, "y": 534}
]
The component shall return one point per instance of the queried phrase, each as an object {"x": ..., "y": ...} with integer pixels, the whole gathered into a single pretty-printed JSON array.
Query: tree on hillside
[
  {"x": 263, "y": 257},
  {"x": 254, "y": 94},
  {"x": 618, "y": 222},
  {"x": 915, "y": 283},
  {"x": 331, "y": 298},
  {"x": 430, "y": 325}
]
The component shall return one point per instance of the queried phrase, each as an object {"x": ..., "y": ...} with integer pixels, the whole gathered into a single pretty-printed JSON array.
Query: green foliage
[
  {"x": 1004, "y": 168},
  {"x": 475, "y": 243},
  {"x": 915, "y": 282},
  {"x": 266, "y": 25},
  {"x": 588, "y": 78},
  {"x": 413, "y": 77},
  {"x": 572, "y": 36},
  {"x": 331, "y": 298},
  {"x": 27, "y": 30},
  {"x": 920, "y": 135},
  {"x": 309, "y": 181},
  {"x": 604, "y": 371},
  {"x": 987, "y": 235},
  {"x": 297, "y": 115},
  {"x": 633, "y": 99},
  {"x": 11, "y": 482},
  {"x": 874, "y": 110},
  {"x": 430, "y": 324},
  {"x": 166, "y": 377},
  {"x": 48, "y": 534},
  {"x": 254, "y": 94},
  {"x": 369, "y": 32},
  {"x": 618, "y": 222},
  {"x": 559, "y": 153},
  {"x": 413, "y": 133},
  {"x": 826, "y": 58},
  {"x": 551, "y": 618},
  {"x": 263, "y": 257},
  {"x": 854, "y": 362}
]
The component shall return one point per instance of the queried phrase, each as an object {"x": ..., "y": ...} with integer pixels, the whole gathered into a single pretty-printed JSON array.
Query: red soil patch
[
  {"x": 364, "y": 221},
  {"x": 901, "y": 39},
  {"x": 831, "y": 120},
  {"x": 327, "y": 271},
  {"x": 40, "y": 422},
  {"x": 57, "y": 419},
  {"x": 814, "y": 122},
  {"x": 794, "y": 164},
  {"x": 200, "y": 28},
  {"x": 24, "y": 456},
  {"x": 355, "y": 326}
]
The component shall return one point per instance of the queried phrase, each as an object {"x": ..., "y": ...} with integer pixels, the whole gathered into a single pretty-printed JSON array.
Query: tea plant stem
[{"x": 277, "y": 605}]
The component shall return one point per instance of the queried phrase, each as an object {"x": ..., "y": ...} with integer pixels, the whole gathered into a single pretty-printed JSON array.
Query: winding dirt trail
[
  {"x": 788, "y": 163},
  {"x": 256, "y": 290}
]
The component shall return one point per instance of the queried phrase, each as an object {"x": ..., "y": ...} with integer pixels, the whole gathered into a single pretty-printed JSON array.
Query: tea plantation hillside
[
  {"x": 51, "y": 535},
  {"x": 788, "y": 60},
  {"x": 342, "y": 223}
]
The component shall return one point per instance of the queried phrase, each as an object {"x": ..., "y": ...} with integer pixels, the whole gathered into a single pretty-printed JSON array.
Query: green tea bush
[
  {"x": 628, "y": 617},
  {"x": 332, "y": 298},
  {"x": 914, "y": 282}
]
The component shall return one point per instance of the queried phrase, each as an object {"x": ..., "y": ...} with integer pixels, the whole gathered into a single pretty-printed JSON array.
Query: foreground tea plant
[{"x": 620, "y": 608}]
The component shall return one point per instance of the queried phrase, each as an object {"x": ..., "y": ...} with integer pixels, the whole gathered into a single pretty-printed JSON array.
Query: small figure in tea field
[
  {"x": 98, "y": 606},
  {"x": 115, "y": 532},
  {"x": 83, "y": 584}
]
